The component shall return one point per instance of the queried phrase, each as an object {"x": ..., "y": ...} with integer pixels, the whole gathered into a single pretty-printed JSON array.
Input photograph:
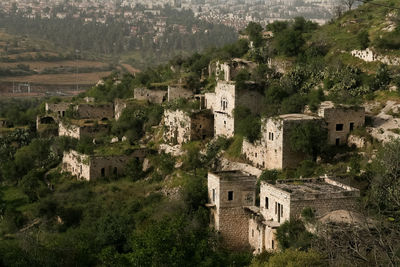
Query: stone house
[
  {"x": 228, "y": 193},
  {"x": 223, "y": 102},
  {"x": 241, "y": 223},
  {"x": 80, "y": 128},
  {"x": 178, "y": 91},
  {"x": 60, "y": 108},
  {"x": 92, "y": 167},
  {"x": 288, "y": 198},
  {"x": 152, "y": 96},
  {"x": 341, "y": 120},
  {"x": 273, "y": 150},
  {"x": 182, "y": 127}
]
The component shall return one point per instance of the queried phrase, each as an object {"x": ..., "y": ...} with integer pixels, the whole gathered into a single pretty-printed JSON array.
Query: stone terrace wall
[
  {"x": 100, "y": 111},
  {"x": 152, "y": 96},
  {"x": 176, "y": 92}
]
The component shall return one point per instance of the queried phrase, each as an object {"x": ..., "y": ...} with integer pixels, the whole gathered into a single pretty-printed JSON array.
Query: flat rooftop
[
  {"x": 233, "y": 174},
  {"x": 297, "y": 117},
  {"x": 313, "y": 186}
]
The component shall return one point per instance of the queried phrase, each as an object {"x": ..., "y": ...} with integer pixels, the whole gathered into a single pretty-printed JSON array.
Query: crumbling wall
[
  {"x": 177, "y": 127},
  {"x": 76, "y": 164},
  {"x": 255, "y": 152},
  {"x": 152, "y": 96},
  {"x": 119, "y": 106},
  {"x": 201, "y": 125},
  {"x": 341, "y": 115},
  {"x": 59, "y": 108},
  {"x": 98, "y": 111},
  {"x": 176, "y": 92},
  {"x": 69, "y": 130}
]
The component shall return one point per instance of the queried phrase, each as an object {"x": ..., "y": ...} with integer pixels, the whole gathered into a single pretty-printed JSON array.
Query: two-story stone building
[{"x": 241, "y": 223}]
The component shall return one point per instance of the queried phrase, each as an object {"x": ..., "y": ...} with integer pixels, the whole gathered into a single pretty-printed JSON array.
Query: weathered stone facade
[
  {"x": 91, "y": 167},
  {"x": 273, "y": 150},
  {"x": 119, "y": 106},
  {"x": 368, "y": 55},
  {"x": 230, "y": 69},
  {"x": 229, "y": 192},
  {"x": 60, "y": 108},
  {"x": 278, "y": 203},
  {"x": 152, "y": 96},
  {"x": 95, "y": 111},
  {"x": 182, "y": 127},
  {"x": 79, "y": 129},
  {"x": 223, "y": 102},
  {"x": 178, "y": 91},
  {"x": 340, "y": 121}
]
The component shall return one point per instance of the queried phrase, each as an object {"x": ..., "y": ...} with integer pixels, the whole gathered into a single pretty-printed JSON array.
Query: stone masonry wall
[
  {"x": 341, "y": 115},
  {"x": 177, "y": 126},
  {"x": 255, "y": 152},
  {"x": 224, "y": 124},
  {"x": 152, "y": 96},
  {"x": 59, "y": 108},
  {"x": 100, "y": 111},
  {"x": 323, "y": 206},
  {"x": 201, "y": 125},
  {"x": 234, "y": 228},
  {"x": 76, "y": 164},
  {"x": 70, "y": 130},
  {"x": 274, "y": 196},
  {"x": 274, "y": 144},
  {"x": 119, "y": 106},
  {"x": 176, "y": 92}
]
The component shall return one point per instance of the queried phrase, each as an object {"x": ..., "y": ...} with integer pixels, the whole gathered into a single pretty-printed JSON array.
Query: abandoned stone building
[
  {"x": 179, "y": 91},
  {"x": 273, "y": 150},
  {"x": 57, "y": 108},
  {"x": 228, "y": 193},
  {"x": 80, "y": 128},
  {"x": 226, "y": 98},
  {"x": 242, "y": 224},
  {"x": 152, "y": 96},
  {"x": 92, "y": 167},
  {"x": 341, "y": 120},
  {"x": 227, "y": 71},
  {"x": 182, "y": 127},
  {"x": 288, "y": 198}
]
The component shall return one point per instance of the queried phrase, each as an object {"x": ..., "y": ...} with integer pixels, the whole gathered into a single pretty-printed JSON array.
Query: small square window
[
  {"x": 230, "y": 195},
  {"x": 339, "y": 127}
]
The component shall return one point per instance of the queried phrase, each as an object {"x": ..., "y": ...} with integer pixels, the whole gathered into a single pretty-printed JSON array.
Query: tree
[
  {"x": 294, "y": 258},
  {"x": 254, "y": 30},
  {"x": 309, "y": 137},
  {"x": 348, "y": 3},
  {"x": 293, "y": 234},
  {"x": 385, "y": 180},
  {"x": 363, "y": 39}
]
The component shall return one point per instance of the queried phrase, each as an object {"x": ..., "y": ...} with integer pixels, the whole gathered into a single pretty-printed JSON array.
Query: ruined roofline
[
  {"x": 232, "y": 175},
  {"x": 309, "y": 188},
  {"x": 296, "y": 117},
  {"x": 330, "y": 105}
]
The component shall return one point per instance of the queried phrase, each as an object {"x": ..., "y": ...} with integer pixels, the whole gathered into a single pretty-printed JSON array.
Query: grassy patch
[{"x": 235, "y": 149}]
